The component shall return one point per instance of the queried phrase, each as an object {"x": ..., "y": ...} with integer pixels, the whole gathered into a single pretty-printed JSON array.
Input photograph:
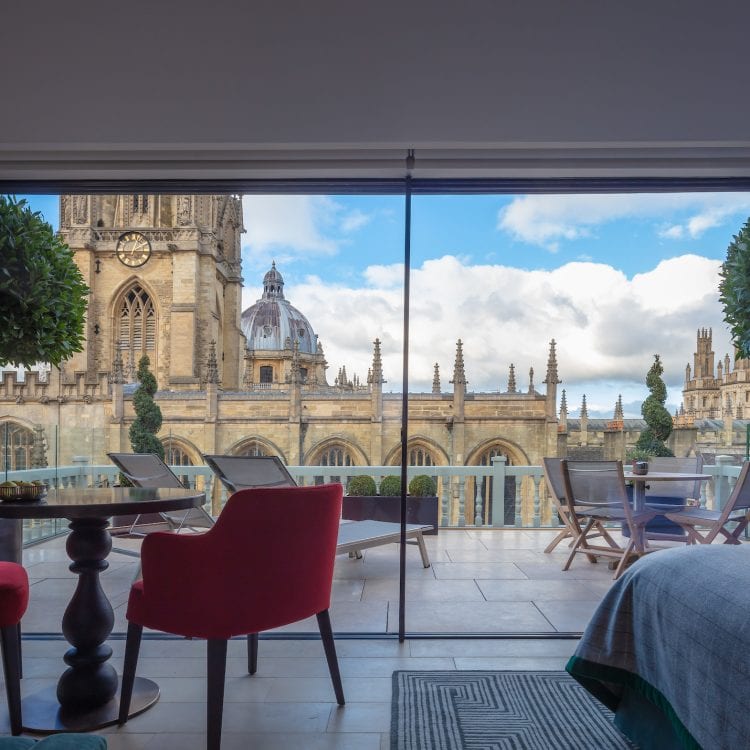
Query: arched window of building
[
  {"x": 175, "y": 454},
  {"x": 266, "y": 374},
  {"x": 17, "y": 444},
  {"x": 336, "y": 455},
  {"x": 136, "y": 325},
  {"x": 252, "y": 448},
  {"x": 420, "y": 456}
]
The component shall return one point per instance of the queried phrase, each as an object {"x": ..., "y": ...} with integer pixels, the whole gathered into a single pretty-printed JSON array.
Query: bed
[{"x": 668, "y": 649}]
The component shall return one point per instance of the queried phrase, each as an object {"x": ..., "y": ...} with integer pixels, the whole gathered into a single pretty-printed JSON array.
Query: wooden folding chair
[
  {"x": 553, "y": 477},
  {"x": 735, "y": 511},
  {"x": 595, "y": 493}
]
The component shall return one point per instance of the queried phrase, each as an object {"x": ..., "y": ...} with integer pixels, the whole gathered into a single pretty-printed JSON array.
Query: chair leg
[
  {"x": 9, "y": 643},
  {"x": 326, "y": 634},
  {"x": 252, "y": 653},
  {"x": 216, "y": 670},
  {"x": 624, "y": 560},
  {"x": 564, "y": 534},
  {"x": 132, "y": 647}
]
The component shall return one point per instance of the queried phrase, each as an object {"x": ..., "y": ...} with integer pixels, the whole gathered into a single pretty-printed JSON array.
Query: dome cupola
[{"x": 272, "y": 324}]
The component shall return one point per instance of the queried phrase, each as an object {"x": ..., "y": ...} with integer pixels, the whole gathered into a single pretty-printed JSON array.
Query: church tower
[{"x": 164, "y": 274}]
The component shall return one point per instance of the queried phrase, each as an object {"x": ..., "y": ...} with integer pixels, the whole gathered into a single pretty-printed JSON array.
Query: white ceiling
[{"x": 329, "y": 88}]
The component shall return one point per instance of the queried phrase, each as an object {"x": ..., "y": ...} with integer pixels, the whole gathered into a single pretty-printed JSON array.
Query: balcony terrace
[{"x": 492, "y": 585}]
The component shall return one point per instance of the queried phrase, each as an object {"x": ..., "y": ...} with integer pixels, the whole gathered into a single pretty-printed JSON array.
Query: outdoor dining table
[
  {"x": 85, "y": 697},
  {"x": 640, "y": 480}
]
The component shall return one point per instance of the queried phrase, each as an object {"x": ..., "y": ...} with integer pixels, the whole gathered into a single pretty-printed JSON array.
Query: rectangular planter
[{"x": 423, "y": 510}]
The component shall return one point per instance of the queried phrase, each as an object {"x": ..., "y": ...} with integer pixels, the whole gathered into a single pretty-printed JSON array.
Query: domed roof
[{"x": 272, "y": 320}]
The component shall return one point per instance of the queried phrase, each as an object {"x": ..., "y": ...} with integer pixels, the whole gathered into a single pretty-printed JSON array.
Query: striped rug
[{"x": 500, "y": 710}]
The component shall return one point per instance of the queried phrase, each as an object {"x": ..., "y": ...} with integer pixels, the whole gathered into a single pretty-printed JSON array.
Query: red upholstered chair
[
  {"x": 267, "y": 562},
  {"x": 14, "y": 598}
]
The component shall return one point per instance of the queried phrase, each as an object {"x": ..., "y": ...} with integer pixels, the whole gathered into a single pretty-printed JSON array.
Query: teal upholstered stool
[{"x": 55, "y": 742}]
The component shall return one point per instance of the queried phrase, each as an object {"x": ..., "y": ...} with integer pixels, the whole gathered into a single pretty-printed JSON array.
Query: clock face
[{"x": 133, "y": 249}]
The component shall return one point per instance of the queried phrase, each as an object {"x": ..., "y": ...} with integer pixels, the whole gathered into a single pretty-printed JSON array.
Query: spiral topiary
[
  {"x": 422, "y": 486},
  {"x": 147, "y": 413},
  {"x": 360, "y": 486},
  {"x": 390, "y": 486},
  {"x": 657, "y": 418},
  {"x": 734, "y": 290}
]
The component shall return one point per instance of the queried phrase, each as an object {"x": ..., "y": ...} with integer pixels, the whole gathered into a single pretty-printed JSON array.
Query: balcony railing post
[
  {"x": 721, "y": 483},
  {"x": 462, "y": 501},
  {"x": 537, "y": 521},
  {"x": 518, "y": 521},
  {"x": 498, "y": 490}
]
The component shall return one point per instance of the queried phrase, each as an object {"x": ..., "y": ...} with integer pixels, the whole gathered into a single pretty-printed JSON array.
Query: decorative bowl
[{"x": 24, "y": 492}]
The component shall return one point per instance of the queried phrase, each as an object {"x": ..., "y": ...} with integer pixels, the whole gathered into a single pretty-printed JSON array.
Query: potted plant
[
  {"x": 43, "y": 301},
  {"x": 362, "y": 501}
]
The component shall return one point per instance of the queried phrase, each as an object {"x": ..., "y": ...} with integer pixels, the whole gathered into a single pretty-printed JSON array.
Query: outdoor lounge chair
[
  {"x": 553, "y": 476},
  {"x": 148, "y": 470},
  {"x": 242, "y": 472},
  {"x": 595, "y": 493},
  {"x": 736, "y": 511}
]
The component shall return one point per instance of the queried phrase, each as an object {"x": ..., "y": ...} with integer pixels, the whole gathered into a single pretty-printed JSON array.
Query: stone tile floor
[{"x": 480, "y": 583}]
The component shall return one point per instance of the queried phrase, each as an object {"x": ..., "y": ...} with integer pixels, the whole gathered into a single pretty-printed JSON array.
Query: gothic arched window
[
  {"x": 252, "y": 448},
  {"x": 17, "y": 443},
  {"x": 336, "y": 455},
  {"x": 140, "y": 204},
  {"x": 420, "y": 456},
  {"x": 175, "y": 454},
  {"x": 136, "y": 326}
]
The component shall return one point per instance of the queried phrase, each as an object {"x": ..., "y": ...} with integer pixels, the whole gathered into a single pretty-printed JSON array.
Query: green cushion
[
  {"x": 71, "y": 741},
  {"x": 16, "y": 743},
  {"x": 55, "y": 742}
]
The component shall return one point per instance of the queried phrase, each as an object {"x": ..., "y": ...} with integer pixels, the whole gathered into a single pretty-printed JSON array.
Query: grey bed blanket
[{"x": 676, "y": 629}]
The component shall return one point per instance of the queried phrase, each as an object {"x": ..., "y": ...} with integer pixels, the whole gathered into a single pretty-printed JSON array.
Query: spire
[
  {"x": 212, "y": 368},
  {"x": 552, "y": 366},
  {"x": 436, "y": 380},
  {"x": 618, "y": 409},
  {"x": 584, "y": 410},
  {"x": 118, "y": 374},
  {"x": 459, "y": 376},
  {"x": 563, "y": 406},
  {"x": 531, "y": 380},
  {"x": 512, "y": 379},
  {"x": 376, "y": 374}
]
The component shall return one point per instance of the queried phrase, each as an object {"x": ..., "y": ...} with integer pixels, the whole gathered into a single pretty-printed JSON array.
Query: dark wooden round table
[{"x": 86, "y": 695}]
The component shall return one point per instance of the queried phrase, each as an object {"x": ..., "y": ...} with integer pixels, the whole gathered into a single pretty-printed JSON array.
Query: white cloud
[
  {"x": 607, "y": 327},
  {"x": 547, "y": 219},
  {"x": 287, "y": 227}
]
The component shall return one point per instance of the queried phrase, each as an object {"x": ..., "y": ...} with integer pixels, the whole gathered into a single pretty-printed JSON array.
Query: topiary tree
[
  {"x": 657, "y": 418},
  {"x": 390, "y": 486},
  {"x": 147, "y": 413},
  {"x": 734, "y": 290},
  {"x": 43, "y": 297},
  {"x": 422, "y": 486},
  {"x": 361, "y": 486}
]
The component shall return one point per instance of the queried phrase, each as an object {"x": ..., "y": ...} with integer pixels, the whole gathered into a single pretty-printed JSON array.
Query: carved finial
[
  {"x": 531, "y": 380},
  {"x": 618, "y": 409},
  {"x": 459, "y": 375},
  {"x": 584, "y": 410},
  {"x": 377, "y": 364},
  {"x": 436, "y": 380},
  {"x": 512, "y": 378},
  {"x": 118, "y": 375},
  {"x": 563, "y": 405},
  {"x": 552, "y": 366},
  {"x": 212, "y": 367}
]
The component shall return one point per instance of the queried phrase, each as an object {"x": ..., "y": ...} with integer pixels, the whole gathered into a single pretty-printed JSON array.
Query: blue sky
[{"x": 614, "y": 279}]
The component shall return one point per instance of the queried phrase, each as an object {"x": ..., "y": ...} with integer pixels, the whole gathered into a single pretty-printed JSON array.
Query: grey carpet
[{"x": 498, "y": 710}]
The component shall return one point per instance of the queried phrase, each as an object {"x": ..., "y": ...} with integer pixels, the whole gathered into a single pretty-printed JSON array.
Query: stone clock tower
[{"x": 164, "y": 274}]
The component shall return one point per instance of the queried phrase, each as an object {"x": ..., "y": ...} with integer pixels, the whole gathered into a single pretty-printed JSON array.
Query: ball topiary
[
  {"x": 360, "y": 486},
  {"x": 422, "y": 486},
  {"x": 390, "y": 486}
]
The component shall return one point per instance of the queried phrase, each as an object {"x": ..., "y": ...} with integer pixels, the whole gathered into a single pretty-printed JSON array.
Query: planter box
[{"x": 423, "y": 510}]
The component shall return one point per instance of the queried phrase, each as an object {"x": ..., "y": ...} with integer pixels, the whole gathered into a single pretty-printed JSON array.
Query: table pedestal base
[{"x": 42, "y": 713}]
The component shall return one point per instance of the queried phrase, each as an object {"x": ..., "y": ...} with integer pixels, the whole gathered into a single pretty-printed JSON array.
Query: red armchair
[
  {"x": 268, "y": 561},
  {"x": 14, "y": 598}
]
